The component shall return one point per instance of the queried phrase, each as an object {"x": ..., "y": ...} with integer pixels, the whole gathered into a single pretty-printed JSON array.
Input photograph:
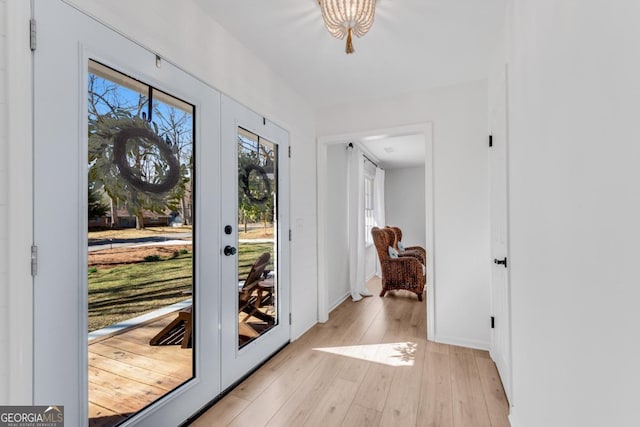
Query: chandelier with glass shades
[{"x": 348, "y": 17}]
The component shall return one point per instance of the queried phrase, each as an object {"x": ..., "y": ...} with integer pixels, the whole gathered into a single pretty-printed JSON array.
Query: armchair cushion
[{"x": 392, "y": 252}]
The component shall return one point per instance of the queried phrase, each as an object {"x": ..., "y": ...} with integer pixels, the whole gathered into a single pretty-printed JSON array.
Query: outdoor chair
[
  {"x": 246, "y": 300},
  {"x": 178, "y": 331},
  {"x": 405, "y": 273}
]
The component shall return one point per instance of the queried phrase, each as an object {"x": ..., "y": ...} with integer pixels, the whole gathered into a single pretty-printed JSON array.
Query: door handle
[
  {"x": 229, "y": 250},
  {"x": 501, "y": 261}
]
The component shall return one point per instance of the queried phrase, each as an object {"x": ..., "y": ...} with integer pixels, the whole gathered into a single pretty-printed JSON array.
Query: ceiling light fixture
[{"x": 348, "y": 17}]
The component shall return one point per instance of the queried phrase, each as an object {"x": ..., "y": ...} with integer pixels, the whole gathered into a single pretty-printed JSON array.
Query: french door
[
  {"x": 127, "y": 228},
  {"x": 161, "y": 230},
  {"x": 255, "y": 319}
]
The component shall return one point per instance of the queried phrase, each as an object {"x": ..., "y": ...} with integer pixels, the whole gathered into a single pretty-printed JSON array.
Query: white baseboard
[
  {"x": 304, "y": 331},
  {"x": 513, "y": 419},
  {"x": 502, "y": 367},
  {"x": 331, "y": 308},
  {"x": 339, "y": 301},
  {"x": 462, "y": 342}
]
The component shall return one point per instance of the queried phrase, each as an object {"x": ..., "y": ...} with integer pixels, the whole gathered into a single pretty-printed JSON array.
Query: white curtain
[
  {"x": 378, "y": 207},
  {"x": 356, "y": 224}
]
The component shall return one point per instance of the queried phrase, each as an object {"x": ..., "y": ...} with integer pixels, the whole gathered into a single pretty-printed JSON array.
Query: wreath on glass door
[
  {"x": 133, "y": 176},
  {"x": 263, "y": 182}
]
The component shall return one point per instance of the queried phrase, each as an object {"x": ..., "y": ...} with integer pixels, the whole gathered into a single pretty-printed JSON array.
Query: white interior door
[
  {"x": 500, "y": 291},
  {"x": 73, "y": 52},
  {"x": 255, "y": 268}
]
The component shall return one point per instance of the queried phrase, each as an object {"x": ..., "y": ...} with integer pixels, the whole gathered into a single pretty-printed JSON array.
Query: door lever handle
[
  {"x": 229, "y": 250},
  {"x": 501, "y": 261}
]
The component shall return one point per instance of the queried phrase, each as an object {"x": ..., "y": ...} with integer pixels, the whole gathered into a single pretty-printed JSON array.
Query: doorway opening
[{"x": 327, "y": 146}]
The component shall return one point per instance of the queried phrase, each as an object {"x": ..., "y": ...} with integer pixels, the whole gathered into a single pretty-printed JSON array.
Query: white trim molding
[
  {"x": 20, "y": 154},
  {"x": 461, "y": 342}
]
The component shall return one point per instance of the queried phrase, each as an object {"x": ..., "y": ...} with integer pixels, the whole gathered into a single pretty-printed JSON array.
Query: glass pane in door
[
  {"x": 257, "y": 236},
  {"x": 140, "y": 254}
]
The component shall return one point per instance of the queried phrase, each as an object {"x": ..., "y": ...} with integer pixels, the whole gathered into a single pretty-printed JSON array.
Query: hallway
[{"x": 369, "y": 365}]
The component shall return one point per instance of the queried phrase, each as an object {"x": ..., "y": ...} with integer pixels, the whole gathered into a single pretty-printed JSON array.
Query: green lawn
[
  {"x": 121, "y": 293},
  {"x": 248, "y": 253}
]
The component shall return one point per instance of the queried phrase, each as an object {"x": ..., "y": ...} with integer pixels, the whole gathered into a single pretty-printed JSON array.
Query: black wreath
[
  {"x": 120, "y": 159},
  {"x": 263, "y": 175}
]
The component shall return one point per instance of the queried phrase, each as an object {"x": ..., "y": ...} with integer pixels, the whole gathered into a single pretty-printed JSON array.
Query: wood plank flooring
[
  {"x": 369, "y": 365},
  {"x": 126, "y": 373}
]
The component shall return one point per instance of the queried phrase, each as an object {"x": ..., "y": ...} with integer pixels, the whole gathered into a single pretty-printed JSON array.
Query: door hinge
[
  {"x": 264, "y": 121},
  {"x": 490, "y": 140},
  {"x": 32, "y": 34},
  {"x": 289, "y": 151},
  {"x": 34, "y": 260},
  {"x": 290, "y": 234},
  {"x": 493, "y": 322},
  {"x": 289, "y": 318}
]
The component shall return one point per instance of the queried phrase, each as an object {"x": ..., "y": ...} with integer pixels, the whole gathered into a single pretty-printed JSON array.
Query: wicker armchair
[
  {"x": 397, "y": 273},
  {"x": 413, "y": 251}
]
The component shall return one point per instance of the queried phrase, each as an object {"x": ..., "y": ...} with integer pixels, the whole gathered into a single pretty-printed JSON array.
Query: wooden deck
[{"x": 126, "y": 373}]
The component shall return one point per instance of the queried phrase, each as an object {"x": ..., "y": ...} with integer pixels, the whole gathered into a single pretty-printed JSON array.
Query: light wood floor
[{"x": 369, "y": 365}]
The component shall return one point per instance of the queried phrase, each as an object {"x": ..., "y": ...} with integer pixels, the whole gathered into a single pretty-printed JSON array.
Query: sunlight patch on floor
[{"x": 392, "y": 354}]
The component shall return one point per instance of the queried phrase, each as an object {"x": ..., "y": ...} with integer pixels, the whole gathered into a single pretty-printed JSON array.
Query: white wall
[
  {"x": 462, "y": 264},
  {"x": 575, "y": 208},
  {"x": 336, "y": 231},
  {"x": 405, "y": 208}
]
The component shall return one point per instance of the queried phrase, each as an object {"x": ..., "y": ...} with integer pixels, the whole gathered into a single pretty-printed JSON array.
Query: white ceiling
[
  {"x": 407, "y": 151},
  {"x": 413, "y": 45}
]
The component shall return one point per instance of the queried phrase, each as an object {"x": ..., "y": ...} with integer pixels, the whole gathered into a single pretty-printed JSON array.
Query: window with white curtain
[{"x": 368, "y": 209}]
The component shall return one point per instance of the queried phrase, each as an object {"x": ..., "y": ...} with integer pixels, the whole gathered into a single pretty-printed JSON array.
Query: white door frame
[
  {"x": 425, "y": 129},
  {"x": 501, "y": 347},
  {"x": 19, "y": 167}
]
